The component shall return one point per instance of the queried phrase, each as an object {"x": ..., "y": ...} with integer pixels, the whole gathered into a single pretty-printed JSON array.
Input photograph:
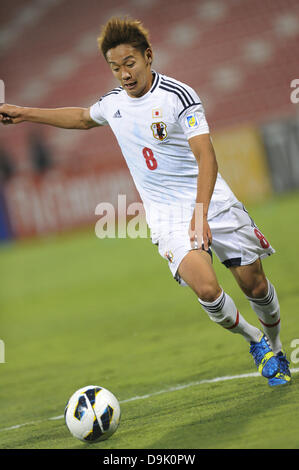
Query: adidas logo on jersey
[{"x": 117, "y": 114}]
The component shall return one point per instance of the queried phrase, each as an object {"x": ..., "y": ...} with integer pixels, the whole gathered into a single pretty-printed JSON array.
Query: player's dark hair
[{"x": 123, "y": 31}]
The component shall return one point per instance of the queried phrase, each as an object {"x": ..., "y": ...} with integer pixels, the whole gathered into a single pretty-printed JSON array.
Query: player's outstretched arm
[{"x": 67, "y": 118}]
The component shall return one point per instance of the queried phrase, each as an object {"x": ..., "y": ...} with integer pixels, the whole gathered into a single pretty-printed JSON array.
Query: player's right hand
[
  {"x": 10, "y": 114},
  {"x": 199, "y": 230}
]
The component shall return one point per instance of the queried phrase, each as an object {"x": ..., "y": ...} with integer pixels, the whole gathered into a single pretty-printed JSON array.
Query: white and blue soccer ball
[{"x": 92, "y": 414}]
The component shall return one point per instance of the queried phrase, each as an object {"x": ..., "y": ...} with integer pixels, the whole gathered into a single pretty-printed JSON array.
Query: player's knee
[
  {"x": 209, "y": 292},
  {"x": 258, "y": 289}
]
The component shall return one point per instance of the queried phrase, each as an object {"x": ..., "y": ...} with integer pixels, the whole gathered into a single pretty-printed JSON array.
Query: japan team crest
[{"x": 159, "y": 130}]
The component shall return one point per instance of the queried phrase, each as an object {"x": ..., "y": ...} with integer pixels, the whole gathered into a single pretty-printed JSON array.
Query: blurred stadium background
[
  {"x": 240, "y": 55},
  {"x": 66, "y": 299}
]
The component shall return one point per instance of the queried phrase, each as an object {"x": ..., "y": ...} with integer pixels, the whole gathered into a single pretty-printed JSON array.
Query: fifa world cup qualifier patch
[{"x": 192, "y": 121}]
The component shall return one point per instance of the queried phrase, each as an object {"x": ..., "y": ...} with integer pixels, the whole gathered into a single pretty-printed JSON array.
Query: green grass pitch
[{"x": 76, "y": 310}]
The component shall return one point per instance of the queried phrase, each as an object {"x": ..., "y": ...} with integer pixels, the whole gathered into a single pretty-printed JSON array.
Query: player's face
[{"x": 131, "y": 68}]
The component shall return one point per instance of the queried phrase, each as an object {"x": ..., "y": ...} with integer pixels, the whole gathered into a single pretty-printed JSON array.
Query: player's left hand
[{"x": 199, "y": 232}]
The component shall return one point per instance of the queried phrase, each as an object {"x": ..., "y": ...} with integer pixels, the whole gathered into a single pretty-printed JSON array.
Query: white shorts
[{"x": 236, "y": 241}]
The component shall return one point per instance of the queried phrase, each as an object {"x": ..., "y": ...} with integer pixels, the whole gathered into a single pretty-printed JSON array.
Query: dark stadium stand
[{"x": 239, "y": 55}]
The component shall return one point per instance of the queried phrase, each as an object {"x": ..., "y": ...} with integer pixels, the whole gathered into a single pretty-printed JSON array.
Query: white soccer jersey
[{"x": 152, "y": 132}]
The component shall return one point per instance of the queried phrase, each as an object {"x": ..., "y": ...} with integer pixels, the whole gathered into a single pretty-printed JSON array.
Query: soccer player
[{"x": 161, "y": 128}]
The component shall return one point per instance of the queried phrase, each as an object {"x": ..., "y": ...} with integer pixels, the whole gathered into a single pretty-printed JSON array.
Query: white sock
[
  {"x": 268, "y": 312},
  {"x": 224, "y": 312}
]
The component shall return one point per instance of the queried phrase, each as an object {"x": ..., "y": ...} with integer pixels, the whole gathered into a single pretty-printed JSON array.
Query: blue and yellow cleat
[
  {"x": 283, "y": 377},
  {"x": 266, "y": 361}
]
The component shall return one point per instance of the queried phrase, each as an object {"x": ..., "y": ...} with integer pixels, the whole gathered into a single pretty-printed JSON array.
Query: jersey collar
[{"x": 155, "y": 81}]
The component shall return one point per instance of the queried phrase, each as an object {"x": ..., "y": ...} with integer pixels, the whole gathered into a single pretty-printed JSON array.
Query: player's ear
[{"x": 149, "y": 56}]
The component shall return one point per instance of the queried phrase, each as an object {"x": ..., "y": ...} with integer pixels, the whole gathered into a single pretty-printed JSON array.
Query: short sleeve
[
  {"x": 192, "y": 117},
  {"x": 97, "y": 113},
  {"x": 193, "y": 121}
]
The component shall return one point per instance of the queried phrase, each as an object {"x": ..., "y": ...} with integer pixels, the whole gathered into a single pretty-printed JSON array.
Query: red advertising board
[{"x": 58, "y": 201}]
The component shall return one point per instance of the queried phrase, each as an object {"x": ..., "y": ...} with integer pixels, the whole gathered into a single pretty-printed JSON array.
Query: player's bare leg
[
  {"x": 252, "y": 279},
  {"x": 263, "y": 300},
  {"x": 197, "y": 271}
]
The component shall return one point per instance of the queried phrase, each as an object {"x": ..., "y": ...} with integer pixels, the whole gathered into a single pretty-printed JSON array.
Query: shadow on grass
[{"x": 254, "y": 407}]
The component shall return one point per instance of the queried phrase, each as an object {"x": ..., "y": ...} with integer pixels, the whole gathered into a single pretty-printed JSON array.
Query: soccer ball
[{"x": 92, "y": 414}]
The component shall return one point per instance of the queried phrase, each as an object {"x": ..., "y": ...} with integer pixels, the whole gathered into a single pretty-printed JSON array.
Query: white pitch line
[{"x": 160, "y": 392}]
